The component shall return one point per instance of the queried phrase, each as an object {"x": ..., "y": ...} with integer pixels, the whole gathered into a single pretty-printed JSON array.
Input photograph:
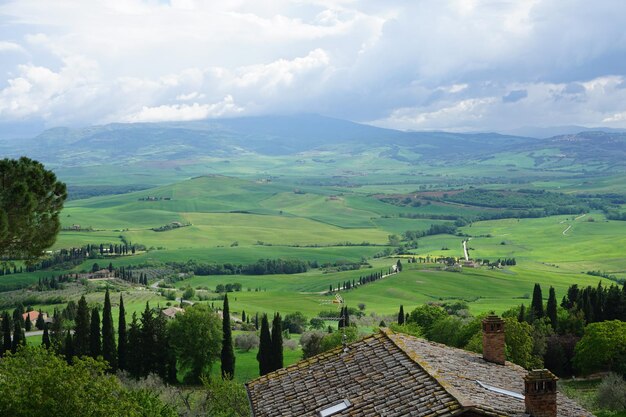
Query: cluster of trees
[
  {"x": 76, "y": 256},
  {"x": 233, "y": 287},
  {"x": 434, "y": 229},
  {"x": 597, "y": 303},
  {"x": 520, "y": 199},
  {"x": 260, "y": 267},
  {"x": 270, "y": 355}
]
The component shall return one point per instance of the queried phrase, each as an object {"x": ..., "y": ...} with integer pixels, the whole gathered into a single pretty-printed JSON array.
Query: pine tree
[
  {"x": 18, "y": 337},
  {"x": 95, "y": 341},
  {"x": 122, "y": 340},
  {"x": 401, "y": 315},
  {"x": 536, "y": 307},
  {"x": 108, "y": 334},
  {"x": 551, "y": 308},
  {"x": 228, "y": 355},
  {"x": 265, "y": 345},
  {"x": 81, "y": 329},
  {"x": 6, "y": 333},
  {"x": 45, "y": 340},
  {"x": 277, "y": 343}
]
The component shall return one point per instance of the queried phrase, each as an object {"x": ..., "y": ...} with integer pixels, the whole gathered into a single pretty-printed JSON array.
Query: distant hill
[{"x": 282, "y": 136}]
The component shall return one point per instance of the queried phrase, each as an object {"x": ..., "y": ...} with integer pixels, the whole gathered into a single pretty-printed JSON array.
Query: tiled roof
[{"x": 389, "y": 374}]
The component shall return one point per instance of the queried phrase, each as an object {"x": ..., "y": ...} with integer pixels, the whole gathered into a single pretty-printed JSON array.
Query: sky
[{"x": 459, "y": 65}]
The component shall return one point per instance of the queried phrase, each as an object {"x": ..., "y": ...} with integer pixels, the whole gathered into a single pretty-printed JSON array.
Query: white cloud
[
  {"x": 183, "y": 112},
  {"x": 444, "y": 64}
]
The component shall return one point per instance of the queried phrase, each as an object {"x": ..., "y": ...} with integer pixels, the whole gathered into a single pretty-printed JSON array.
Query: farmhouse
[
  {"x": 32, "y": 316},
  {"x": 171, "y": 312},
  {"x": 391, "y": 374}
]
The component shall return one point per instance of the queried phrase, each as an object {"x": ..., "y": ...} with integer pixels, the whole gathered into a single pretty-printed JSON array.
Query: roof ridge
[
  {"x": 463, "y": 401},
  {"x": 305, "y": 362}
]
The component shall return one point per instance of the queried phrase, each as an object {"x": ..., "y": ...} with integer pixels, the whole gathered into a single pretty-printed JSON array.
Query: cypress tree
[
  {"x": 536, "y": 307},
  {"x": 551, "y": 308},
  {"x": 147, "y": 343},
  {"x": 28, "y": 325},
  {"x": 122, "y": 340},
  {"x": 521, "y": 317},
  {"x": 265, "y": 345},
  {"x": 95, "y": 340},
  {"x": 18, "y": 337},
  {"x": 399, "y": 266},
  {"x": 243, "y": 316},
  {"x": 69, "y": 348},
  {"x": 277, "y": 343},
  {"x": 6, "y": 332},
  {"x": 81, "y": 330},
  {"x": 40, "y": 323},
  {"x": 228, "y": 355},
  {"x": 401, "y": 315},
  {"x": 133, "y": 354},
  {"x": 108, "y": 334},
  {"x": 45, "y": 340}
]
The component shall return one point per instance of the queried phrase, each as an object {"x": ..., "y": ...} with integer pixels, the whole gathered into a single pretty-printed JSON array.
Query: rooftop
[{"x": 392, "y": 374}]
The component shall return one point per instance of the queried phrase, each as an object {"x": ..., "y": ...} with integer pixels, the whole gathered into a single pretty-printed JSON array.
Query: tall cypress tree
[
  {"x": 95, "y": 340},
  {"x": 45, "y": 340},
  {"x": 18, "y": 336},
  {"x": 6, "y": 332},
  {"x": 521, "y": 317},
  {"x": 228, "y": 355},
  {"x": 108, "y": 334},
  {"x": 277, "y": 343},
  {"x": 133, "y": 354},
  {"x": 265, "y": 348},
  {"x": 401, "y": 315},
  {"x": 536, "y": 307},
  {"x": 147, "y": 344},
  {"x": 122, "y": 340},
  {"x": 68, "y": 348},
  {"x": 81, "y": 329},
  {"x": 551, "y": 308}
]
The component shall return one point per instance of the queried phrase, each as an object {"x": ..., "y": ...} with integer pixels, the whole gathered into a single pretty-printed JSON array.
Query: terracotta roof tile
[{"x": 390, "y": 374}]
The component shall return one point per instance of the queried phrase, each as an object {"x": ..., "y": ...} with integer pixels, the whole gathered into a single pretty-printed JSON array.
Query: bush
[
  {"x": 246, "y": 341},
  {"x": 311, "y": 343},
  {"x": 290, "y": 344},
  {"x": 612, "y": 393}
]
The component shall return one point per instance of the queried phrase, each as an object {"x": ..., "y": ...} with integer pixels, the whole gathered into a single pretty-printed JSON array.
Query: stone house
[{"x": 393, "y": 374}]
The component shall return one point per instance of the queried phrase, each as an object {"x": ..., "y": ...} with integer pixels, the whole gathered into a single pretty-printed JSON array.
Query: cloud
[
  {"x": 184, "y": 112},
  {"x": 452, "y": 64}
]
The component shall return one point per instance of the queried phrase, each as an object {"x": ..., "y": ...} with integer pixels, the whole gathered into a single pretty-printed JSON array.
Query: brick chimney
[
  {"x": 540, "y": 393},
  {"x": 493, "y": 339}
]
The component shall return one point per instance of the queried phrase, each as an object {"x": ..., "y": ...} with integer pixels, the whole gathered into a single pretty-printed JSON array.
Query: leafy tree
[
  {"x": 195, "y": 338},
  {"x": 227, "y": 355},
  {"x": 226, "y": 398},
  {"x": 277, "y": 343},
  {"x": 56, "y": 389},
  {"x": 536, "y": 306},
  {"x": 95, "y": 341},
  {"x": 612, "y": 393},
  {"x": 295, "y": 322},
  {"x": 31, "y": 199},
  {"x": 602, "y": 348},
  {"x": 108, "y": 334},
  {"x": 401, "y": 315},
  {"x": 122, "y": 339},
  {"x": 311, "y": 343},
  {"x": 425, "y": 316},
  {"x": 247, "y": 341},
  {"x": 264, "y": 356},
  {"x": 335, "y": 339},
  {"x": 519, "y": 343},
  {"x": 81, "y": 330}
]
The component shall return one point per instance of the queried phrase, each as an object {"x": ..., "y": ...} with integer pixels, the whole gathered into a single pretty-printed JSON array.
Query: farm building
[
  {"x": 392, "y": 374},
  {"x": 171, "y": 312},
  {"x": 32, "y": 316}
]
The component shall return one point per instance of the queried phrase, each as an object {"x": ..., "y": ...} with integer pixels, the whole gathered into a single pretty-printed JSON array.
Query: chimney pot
[
  {"x": 493, "y": 340},
  {"x": 540, "y": 393}
]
